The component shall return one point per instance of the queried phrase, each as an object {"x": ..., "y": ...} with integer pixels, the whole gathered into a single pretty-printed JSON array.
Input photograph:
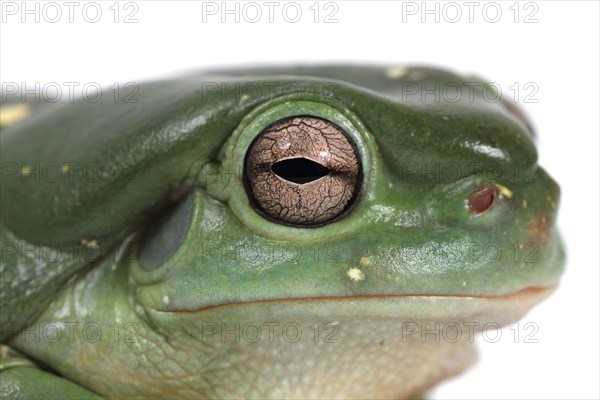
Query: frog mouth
[{"x": 502, "y": 309}]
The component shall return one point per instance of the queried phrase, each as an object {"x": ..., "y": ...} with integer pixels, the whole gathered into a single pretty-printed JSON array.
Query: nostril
[{"x": 483, "y": 199}]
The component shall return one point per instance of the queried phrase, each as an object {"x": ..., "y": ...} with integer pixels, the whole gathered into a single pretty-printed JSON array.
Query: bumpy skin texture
[{"x": 143, "y": 269}]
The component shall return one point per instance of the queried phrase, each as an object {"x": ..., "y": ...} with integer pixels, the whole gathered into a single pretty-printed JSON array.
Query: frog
[{"x": 303, "y": 231}]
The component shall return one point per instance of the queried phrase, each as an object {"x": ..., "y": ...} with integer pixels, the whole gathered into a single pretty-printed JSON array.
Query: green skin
[{"x": 130, "y": 283}]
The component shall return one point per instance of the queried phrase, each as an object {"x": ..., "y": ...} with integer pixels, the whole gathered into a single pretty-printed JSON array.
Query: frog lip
[{"x": 525, "y": 297}]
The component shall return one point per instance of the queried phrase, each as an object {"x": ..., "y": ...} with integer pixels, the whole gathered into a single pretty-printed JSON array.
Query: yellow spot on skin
[
  {"x": 464, "y": 283},
  {"x": 395, "y": 73},
  {"x": 365, "y": 262},
  {"x": 11, "y": 114},
  {"x": 539, "y": 230},
  {"x": 91, "y": 244},
  {"x": 524, "y": 202},
  {"x": 416, "y": 75},
  {"x": 26, "y": 170},
  {"x": 64, "y": 168},
  {"x": 245, "y": 97},
  {"x": 504, "y": 191},
  {"x": 355, "y": 274},
  {"x": 445, "y": 118},
  {"x": 3, "y": 351}
]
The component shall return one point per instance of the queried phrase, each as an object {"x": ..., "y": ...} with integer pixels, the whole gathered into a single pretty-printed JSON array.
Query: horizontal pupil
[{"x": 299, "y": 170}]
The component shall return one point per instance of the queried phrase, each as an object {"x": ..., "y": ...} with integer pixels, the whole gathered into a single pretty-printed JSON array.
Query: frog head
[
  {"x": 359, "y": 212},
  {"x": 349, "y": 195}
]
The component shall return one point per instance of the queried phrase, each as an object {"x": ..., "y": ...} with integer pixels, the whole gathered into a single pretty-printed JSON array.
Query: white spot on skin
[
  {"x": 355, "y": 274},
  {"x": 90, "y": 244},
  {"x": 396, "y": 73},
  {"x": 245, "y": 97},
  {"x": 324, "y": 154},
  {"x": 489, "y": 151},
  {"x": 166, "y": 300}
]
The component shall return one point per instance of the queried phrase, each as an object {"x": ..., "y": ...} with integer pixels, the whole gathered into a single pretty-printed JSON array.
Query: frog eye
[
  {"x": 483, "y": 199},
  {"x": 302, "y": 171}
]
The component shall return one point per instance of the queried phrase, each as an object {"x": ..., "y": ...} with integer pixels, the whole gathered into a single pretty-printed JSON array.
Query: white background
[{"x": 559, "y": 53}]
